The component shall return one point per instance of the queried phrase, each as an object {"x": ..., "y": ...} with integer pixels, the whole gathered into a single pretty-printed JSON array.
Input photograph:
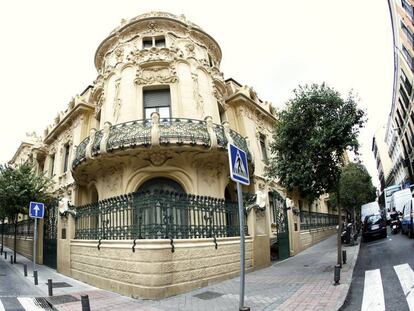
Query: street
[
  {"x": 383, "y": 269},
  {"x": 16, "y": 291}
]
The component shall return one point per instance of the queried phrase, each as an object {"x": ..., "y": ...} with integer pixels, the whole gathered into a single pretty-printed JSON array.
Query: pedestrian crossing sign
[{"x": 239, "y": 170}]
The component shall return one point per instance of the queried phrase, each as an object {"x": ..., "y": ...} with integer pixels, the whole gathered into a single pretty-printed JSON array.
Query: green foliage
[
  {"x": 311, "y": 135},
  {"x": 20, "y": 185},
  {"x": 355, "y": 187}
]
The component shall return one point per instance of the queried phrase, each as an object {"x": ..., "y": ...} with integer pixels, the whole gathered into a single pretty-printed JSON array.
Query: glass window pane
[
  {"x": 164, "y": 112},
  {"x": 147, "y": 43},
  {"x": 148, "y": 112},
  {"x": 160, "y": 42}
]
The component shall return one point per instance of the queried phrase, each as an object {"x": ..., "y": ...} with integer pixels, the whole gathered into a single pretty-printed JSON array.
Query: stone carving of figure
[
  {"x": 261, "y": 199},
  {"x": 117, "y": 101}
]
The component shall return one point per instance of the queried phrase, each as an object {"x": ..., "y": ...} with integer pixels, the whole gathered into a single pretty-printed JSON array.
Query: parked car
[
  {"x": 374, "y": 225},
  {"x": 407, "y": 219},
  {"x": 369, "y": 209}
]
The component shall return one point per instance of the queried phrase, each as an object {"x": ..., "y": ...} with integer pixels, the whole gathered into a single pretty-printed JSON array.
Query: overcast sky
[{"x": 48, "y": 47}]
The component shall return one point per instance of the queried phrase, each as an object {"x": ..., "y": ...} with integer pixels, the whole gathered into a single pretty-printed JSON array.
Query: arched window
[
  {"x": 161, "y": 184},
  {"x": 160, "y": 212}
]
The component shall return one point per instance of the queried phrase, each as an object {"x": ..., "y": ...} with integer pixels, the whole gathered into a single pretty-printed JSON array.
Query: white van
[
  {"x": 399, "y": 199},
  {"x": 369, "y": 209}
]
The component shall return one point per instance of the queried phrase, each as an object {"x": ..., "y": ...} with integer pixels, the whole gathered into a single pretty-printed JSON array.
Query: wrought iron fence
[
  {"x": 25, "y": 228},
  {"x": 312, "y": 220},
  {"x": 157, "y": 215},
  {"x": 172, "y": 131}
]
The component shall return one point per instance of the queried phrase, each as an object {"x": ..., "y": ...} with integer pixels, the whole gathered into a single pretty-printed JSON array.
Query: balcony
[{"x": 157, "y": 132}]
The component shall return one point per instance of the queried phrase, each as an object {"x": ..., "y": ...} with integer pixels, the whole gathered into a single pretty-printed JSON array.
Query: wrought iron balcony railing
[
  {"x": 312, "y": 220},
  {"x": 157, "y": 215},
  {"x": 176, "y": 131}
]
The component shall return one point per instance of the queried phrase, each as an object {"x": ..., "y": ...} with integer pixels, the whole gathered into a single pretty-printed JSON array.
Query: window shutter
[{"x": 157, "y": 98}]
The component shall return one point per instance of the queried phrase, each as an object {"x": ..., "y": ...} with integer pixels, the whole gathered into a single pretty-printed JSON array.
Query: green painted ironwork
[
  {"x": 129, "y": 134},
  {"x": 280, "y": 249},
  {"x": 97, "y": 143},
  {"x": 157, "y": 215},
  {"x": 184, "y": 131},
  {"x": 80, "y": 152},
  {"x": 313, "y": 220},
  {"x": 25, "y": 228},
  {"x": 177, "y": 131}
]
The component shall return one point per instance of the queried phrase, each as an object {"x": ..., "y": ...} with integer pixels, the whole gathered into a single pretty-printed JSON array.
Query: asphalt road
[
  {"x": 13, "y": 285},
  {"x": 382, "y": 254}
]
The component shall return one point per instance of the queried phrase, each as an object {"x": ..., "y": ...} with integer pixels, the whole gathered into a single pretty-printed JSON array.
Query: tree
[
  {"x": 18, "y": 187},
  {"x": 355, "y": 188},
  {"x": 311, "y": 135},
  {"x": 2, "y": 218}
]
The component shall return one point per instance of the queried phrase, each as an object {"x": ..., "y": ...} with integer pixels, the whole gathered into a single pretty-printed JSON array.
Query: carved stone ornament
[
  {"x": 119, "y": 54},
  {"x": 155, "y": 55},
  {"x": 157, "y": 158},
  {"x": 156, "y": 75}
]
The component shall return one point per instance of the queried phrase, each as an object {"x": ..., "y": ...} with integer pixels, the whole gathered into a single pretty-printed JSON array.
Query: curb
[{"x": 348, "y": 285}]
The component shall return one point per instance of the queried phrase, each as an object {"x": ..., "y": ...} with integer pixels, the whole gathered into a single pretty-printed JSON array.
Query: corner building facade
[{"x": 140, "y": 166}]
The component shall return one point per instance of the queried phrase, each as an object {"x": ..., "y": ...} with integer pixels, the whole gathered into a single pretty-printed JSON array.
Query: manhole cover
[
  {"x": 42, "y": 302},
  {"x": 57, "y": 300},
  {"x": 60, "y": 284},
  {"x": 208, "y": 295}
]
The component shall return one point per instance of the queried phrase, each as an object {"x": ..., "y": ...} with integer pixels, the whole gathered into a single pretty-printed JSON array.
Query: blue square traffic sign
[
  {"x": 239, "y": 170},
  {"x": 36, "y": 210}
]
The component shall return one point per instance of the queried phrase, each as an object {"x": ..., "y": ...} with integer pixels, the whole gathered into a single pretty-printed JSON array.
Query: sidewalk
[{"x": 302, "y": 282}]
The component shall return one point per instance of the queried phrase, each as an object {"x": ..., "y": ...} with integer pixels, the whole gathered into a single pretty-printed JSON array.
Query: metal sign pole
[
  {"x": 34, "y": 246},
  {"x": 241, "y": 219}
]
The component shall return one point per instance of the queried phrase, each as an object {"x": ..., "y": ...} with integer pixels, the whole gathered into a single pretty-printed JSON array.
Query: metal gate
[
  {"x": 50, "y": 236},
  {"x": 280, "y": 245}
]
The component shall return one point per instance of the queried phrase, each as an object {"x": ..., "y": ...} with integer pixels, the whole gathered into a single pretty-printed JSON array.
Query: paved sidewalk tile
[{"x": 302, "y": 282}]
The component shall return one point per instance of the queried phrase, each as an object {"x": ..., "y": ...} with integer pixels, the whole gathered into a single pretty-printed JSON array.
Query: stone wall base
[
  {"x": 313, "y": 236},
  {"x": 152, "y": 270},
  {"x": 24, "y": 246}
]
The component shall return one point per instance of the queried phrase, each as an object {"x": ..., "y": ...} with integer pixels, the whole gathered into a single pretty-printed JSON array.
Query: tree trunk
[
  {"x": 2, "y": 235},
  {"x": 339, "y": 241},
  {"x": 15, "y": 240}
]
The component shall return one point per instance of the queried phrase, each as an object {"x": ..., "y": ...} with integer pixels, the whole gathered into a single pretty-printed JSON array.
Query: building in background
[
  {"x": 400, "y": 125},
  {"x": 140, "y": 165},
  {"x": 382, "y": 158}
]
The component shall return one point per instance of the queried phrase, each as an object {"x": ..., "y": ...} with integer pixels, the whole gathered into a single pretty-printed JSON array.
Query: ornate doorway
[
  {"x": 50, "y": 235},
  {"x": 279, "y": 249}
]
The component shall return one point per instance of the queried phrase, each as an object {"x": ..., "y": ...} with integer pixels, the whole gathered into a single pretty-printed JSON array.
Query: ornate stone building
[{"x": 140, "y": 165}]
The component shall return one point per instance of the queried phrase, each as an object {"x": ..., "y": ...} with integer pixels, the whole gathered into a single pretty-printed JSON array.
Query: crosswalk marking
[
  {"x": 406, "y": 276},
  {"x": 373, "y": 299},
  {"x": 1, "y": 307}
]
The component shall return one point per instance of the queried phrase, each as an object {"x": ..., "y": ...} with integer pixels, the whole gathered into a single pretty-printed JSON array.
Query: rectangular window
[
  {"x": 407, "y": 57},
  {"x": 399, "y": 117},
  {"x": 66, "y": 158},
  {"x": 157, "y": 101},
  {"x": 160, "y": 42},
  {"x": 52, "y": 165},
  {"x": 407, "y": 83},
  {"x": 263, "y": 147},
  {"x": 404, "y": 97},
  {"x": 147, "y": 43},
  {"x": 408, "y": 33},
  {"x": 408, "y": 8}
]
